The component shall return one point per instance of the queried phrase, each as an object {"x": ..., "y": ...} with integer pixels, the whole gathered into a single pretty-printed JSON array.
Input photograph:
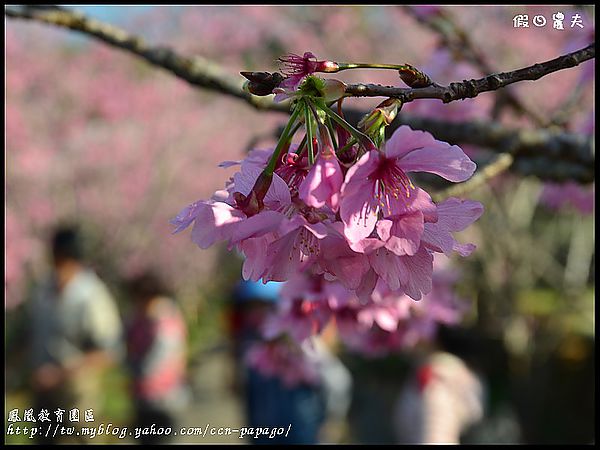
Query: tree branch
[
  {"x": 204, "y": 73},
  {"x": 472, "y": 88},
  {"x": 195, "y": 70},
  {"x": 535, "y": 152},
  {"x": 549, "y": 154}
]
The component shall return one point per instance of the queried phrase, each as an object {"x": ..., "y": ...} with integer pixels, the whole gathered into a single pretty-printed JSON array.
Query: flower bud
[
  {"x": 262, "y": 83},
  {"x": 414, "y": 78},
  {"x": 249, "y": 205},
  {"x": 374, "y": 123}
]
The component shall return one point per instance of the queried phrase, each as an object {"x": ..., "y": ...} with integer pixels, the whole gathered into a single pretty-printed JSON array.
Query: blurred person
[
  {"x": 269, "y": 400},
  {"x": 76, "y": 332},
  {"x": 156, "y": 356},
  {"x": 252, "y": 303},
  {"x": 337, "y": 386},
  {"x": 442, "y": 398}
]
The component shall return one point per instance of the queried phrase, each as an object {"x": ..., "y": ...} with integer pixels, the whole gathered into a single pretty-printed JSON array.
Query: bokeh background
[{"x": 96, "y": 137}]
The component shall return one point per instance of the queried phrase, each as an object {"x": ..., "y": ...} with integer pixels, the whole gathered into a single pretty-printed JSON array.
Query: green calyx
[
  {"x": 374, "y": 123},
  {"x": 321, "y": 91},
  {"x": 312, "y": 86}
]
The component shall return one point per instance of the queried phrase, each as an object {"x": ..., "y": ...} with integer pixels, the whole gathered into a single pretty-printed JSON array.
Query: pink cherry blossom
[
  {"x": 284, "y": 359},
  {"x": 378, "y": 183},
  {"x": 411, "y": 274},
  {"x": 401, "y": 232},
  {"x": 297, "y": 67},
  {"x": 323, "y": 182},
  {"x": 296, "y": 245},
  {"x": 221, "y": 220},
  {"x": 390, "y": 321}
]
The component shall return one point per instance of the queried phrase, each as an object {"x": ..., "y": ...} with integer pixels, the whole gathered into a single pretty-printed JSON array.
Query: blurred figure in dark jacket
[{"x": 269, "y": 401}]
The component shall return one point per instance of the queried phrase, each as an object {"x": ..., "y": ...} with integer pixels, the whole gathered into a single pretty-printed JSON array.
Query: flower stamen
[{"x": 389, "y": 180}]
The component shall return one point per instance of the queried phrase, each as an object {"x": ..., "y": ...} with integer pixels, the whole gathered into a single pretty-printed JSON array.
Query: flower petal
[
  {"x": 323, "y": 183},
  {"x": 384, "y": 228},
  {"x": 463, "y": 249},
  {"x": 437, "y": 238},
  {"x": 386, "y": 265},
  {"x": 319, "y": 230},
  {"x": 447, "y": 161},
  {"x": 257, "y": 225},
  {"x": 458, "y": 214},
  {"x": 278, "y": 194},
  {"x": 363, "y": 168},
  {"x": 419, "y": 269},
  {"x": 255, "y": 263},
  {"x": 186, "y": 216},
  {"x": 367, "y": 285},
  {"x": 339, "y": 260},
  {"x": 405, "y": 140},
  {"x": 453, "y": 215},
  {"x": 214, "y": 222},
  {"x": 358, "y": 210},
  {"x": 405, "y": 234},
  {"x": 419, "y": 200},
  {"x": 283, "y": 258}
]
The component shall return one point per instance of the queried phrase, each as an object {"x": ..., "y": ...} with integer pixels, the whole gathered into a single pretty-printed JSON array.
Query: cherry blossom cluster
[
  {"x": 336, "y": 214},
  {"x": 384, "y": 324}
]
